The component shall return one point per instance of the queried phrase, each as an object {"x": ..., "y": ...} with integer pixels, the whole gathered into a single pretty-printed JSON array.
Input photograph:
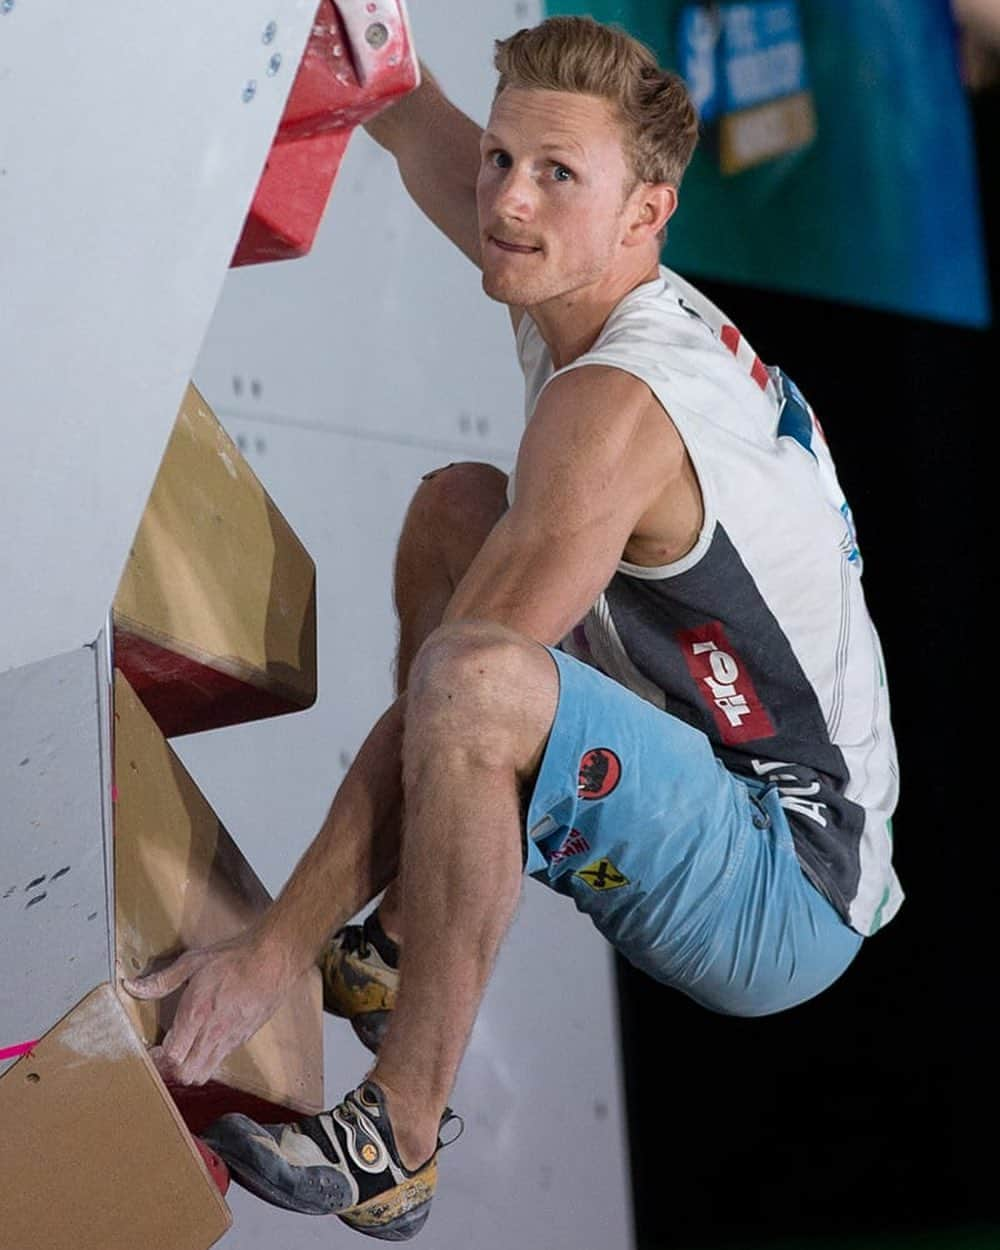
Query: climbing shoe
[
  {"x": 343, "y": 1162},
  {"x": 361, "y": 978}
]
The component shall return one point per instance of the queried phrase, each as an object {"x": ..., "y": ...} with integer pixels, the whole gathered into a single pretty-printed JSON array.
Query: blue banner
[{"x": 837, "y": 155}]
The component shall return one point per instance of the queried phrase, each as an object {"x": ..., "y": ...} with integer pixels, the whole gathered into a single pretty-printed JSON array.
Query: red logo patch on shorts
[
  {"x": 600, "y": 771},
  {"x": 573, "y": 844}
]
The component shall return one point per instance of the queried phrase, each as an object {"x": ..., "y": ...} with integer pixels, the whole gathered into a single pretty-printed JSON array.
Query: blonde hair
[{"x": 580, "y": 55}]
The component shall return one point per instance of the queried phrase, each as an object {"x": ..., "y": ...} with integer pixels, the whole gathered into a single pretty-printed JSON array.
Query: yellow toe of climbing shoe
[{"x": 359, "y": 982}]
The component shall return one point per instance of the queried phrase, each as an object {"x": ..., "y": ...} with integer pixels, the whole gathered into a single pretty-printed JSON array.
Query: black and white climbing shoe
[{"x": 343, "y": 1162}]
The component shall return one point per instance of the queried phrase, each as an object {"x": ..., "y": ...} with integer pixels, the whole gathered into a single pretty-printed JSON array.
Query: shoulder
[
  {"x": 694, "y": 361},
  {"x": 609, "y": 389},
  {"x": 607, "y": 413}
]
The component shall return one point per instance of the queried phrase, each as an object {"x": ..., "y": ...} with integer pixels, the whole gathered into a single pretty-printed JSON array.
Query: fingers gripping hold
[
  {"x": 230, "y": 990},
  {"x": 176, "y": 1047},
  {"x": 160, "y": 984}
]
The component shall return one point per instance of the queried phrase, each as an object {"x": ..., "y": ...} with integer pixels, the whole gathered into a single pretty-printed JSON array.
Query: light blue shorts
[{"x": 688, "y": 870}]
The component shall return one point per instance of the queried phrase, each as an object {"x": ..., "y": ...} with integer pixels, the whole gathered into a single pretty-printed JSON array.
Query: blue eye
[
  {"x": 561, "y": 174},
  {"x": 500, "y": 159}
]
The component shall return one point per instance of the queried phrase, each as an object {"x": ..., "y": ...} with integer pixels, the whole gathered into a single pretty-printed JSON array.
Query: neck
[{"x": 570, "y": 323}]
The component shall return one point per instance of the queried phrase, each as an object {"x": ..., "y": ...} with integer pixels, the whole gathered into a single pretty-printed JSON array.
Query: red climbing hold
[
  {"x": 216, "y": 1166},
  {"x": 359, "y": 59}
]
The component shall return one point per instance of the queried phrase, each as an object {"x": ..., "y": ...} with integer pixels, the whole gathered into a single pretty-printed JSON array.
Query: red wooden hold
[
  {"x": 359, "y": 59},
  {"x": 216, "y": 1166}
]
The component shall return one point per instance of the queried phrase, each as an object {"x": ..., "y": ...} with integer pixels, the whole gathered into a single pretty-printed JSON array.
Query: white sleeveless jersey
[{"x": 760, "y": 635}]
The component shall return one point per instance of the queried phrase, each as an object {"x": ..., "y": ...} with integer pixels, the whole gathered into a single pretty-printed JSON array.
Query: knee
[
  {"x": 470, "y": 674},
  {"x": 467, "y": 495}
]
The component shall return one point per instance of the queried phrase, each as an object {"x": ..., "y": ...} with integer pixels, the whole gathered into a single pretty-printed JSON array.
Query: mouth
[{"x": 519, "y": 249}]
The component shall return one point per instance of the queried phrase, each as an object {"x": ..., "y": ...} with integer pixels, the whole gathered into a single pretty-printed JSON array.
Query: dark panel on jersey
[{"x": 708, "y": 640}]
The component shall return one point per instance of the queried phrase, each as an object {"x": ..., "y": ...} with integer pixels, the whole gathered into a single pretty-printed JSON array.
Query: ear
[{"x": 651, "y": 205}]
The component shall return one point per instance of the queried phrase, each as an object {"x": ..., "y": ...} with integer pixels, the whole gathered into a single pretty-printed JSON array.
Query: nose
[{"x": 515, "y": 199}]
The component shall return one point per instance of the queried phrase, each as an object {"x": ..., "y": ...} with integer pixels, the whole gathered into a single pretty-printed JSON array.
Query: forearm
[
  {"x": 392, "y": 125},
  {"x": 408, "y": 123},
  {"x": 437, "y": 150},
  {"x": 352, "y": 858}
]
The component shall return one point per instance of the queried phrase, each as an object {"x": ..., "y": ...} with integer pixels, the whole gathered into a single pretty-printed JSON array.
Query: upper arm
[
  {"x": 436, "y": 147},
  {"x": 595, "y": 456}
]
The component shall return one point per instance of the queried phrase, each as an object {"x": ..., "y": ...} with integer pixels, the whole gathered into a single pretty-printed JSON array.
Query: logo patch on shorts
[
  {"x": 602, "y": 875},
  {"x": 599, "y": 773},
  {"x": 573, "y": 844}
]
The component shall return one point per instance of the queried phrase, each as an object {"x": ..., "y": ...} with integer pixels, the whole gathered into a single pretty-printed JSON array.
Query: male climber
[{"x": 642, "y": 670}]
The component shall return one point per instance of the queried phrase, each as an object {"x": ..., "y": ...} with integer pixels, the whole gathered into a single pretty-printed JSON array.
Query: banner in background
[{"x": 836, "y": 158}]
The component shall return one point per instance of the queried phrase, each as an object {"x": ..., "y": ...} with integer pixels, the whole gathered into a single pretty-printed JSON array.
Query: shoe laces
[{"x": 353, "y": 940}]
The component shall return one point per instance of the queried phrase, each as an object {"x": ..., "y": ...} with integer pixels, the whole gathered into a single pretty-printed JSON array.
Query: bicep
[{"x": 592, "y": 460}]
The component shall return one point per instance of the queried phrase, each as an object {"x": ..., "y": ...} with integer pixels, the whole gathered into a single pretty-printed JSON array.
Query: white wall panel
[
  {"x": 129, "y": 152},
  {"x": 345, "y": 376},
  {"x": 384, "y": 327},
  {"x": 543, "y": 1161}
]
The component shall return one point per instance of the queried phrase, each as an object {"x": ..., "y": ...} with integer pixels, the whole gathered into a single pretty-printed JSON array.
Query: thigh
[{"x": 687, "y": 869}]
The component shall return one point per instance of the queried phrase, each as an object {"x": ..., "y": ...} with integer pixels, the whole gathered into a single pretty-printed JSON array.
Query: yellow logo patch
[
  {"x": 602, "y": 875},
  {"x": 369, "y": 1153}
]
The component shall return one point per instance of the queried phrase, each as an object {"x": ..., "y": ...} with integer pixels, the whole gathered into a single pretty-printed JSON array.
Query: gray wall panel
[{"x": 53, "y": 887}]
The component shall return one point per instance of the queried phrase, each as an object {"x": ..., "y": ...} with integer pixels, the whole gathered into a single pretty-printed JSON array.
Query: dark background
[{"x": 868, "y": 1116}]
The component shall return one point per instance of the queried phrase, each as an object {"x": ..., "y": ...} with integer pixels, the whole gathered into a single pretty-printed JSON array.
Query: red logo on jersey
[
  {"x": 725, "y": 685},
  {"x": 600, "y": 771}
]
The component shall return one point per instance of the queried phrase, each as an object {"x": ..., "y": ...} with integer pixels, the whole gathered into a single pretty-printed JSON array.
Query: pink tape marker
[{"x": 14, "y": 1052}]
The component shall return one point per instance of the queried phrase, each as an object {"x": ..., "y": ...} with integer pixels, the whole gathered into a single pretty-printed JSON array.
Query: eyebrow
[{"x": 568, "y": 147}]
